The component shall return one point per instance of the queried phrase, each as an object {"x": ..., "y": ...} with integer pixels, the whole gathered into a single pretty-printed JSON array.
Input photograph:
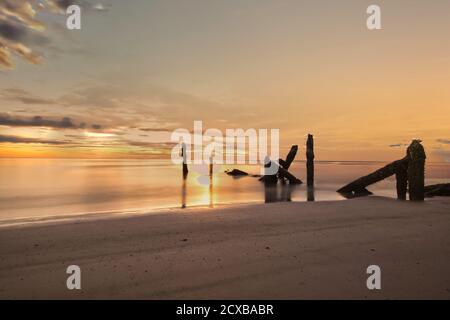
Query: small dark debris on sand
[
  {"x": 236, "y": 173},
  {"x": 437, "y": 190}
]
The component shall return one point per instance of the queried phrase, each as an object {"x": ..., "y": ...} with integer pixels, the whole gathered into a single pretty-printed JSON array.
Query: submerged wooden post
[
  {"x": 184, "y": 155},
  {"x": 310, "y": 160},
  {"x": 211, "y": 168},
  {"x": 416, "y": 171}
]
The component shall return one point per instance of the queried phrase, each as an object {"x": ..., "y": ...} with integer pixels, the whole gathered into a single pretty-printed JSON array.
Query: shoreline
[
  {"x": 285, "y": 250},
  {"x": 111, "y": 214},
  {"x": 106, "y": 215}
]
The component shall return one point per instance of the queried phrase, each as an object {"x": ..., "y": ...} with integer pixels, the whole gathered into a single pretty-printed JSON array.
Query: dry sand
[{"x": 274, "y": 251}]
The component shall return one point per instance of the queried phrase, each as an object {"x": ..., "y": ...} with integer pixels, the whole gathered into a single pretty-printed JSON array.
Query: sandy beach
[{"x": 273, "y": 251}]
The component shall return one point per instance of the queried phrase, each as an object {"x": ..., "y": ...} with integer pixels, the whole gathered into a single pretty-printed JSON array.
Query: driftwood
[
  {"x": 282, "y": 172},
  {"x": 289, "y": 176},
  {"x": 358, "y": 187},
  {"x": 236, "y": 173},
  {"x": 409, "y": 173},
  {"x": 273, "y": 178},
  {"x": 437, "y": 190},
  {"x": 360, "y": 193},
  {"x": 289, "y": 158},
  {"x": 285, "y": 164},
  {"x": 310, "y": 161}
]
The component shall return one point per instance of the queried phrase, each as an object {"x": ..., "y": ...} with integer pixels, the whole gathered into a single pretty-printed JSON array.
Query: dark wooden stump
[
  {"x": 401, "y": 177},
  {"x": 310, "y": 161},
  {"x": 416, "y": 171},
  {"x": 184, "y": 155}
]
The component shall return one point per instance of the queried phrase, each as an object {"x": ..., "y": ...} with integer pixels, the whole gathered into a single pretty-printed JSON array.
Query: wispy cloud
[
  {"x": 398, "y": 145},
  {"x": 443, "y": 141},
  {"x": 17, "y": 94},
  {"x": 20, "y": 29},
  {"x": 38, "y": 121},
  {"x": 18, "y": 139}
]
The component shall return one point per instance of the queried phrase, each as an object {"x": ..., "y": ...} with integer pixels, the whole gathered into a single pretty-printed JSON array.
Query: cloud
[
  {"x": 157, "y": 129},
  {"x": 443, "y": 141},
  {"x": 38, "y": 121},
  {"x": 398, "y": 145},
  {"x": 16, "y": 94},
  {"x": 101, "y": 7},
  {"x": 5, "y": 59},
  {"x": 19, "y": 27},
  {"x": 22, "y": 11},
  {"x": 12, "y": 32},
  {"x": 164, "y": 146},
  {"x": 17, "y": 139}
]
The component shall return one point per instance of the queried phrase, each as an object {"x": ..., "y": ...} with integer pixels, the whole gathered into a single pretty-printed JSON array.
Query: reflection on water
[
  {"x": 201, "y": 179},
  {"x": 183, "y": 191},
  {"x": 211, "y": 191},
  {"x": 281, "y": 192},
  {"x": 44, "y": 187}
]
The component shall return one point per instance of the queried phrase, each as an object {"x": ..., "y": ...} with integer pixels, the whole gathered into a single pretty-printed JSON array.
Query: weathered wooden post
[
  {"x": 310, "y": 194},
  {"x": 183, "y": 192},
  {"x": 401, "y": 178},
  {"x": 416, "y": 171},
  {"x": 310, "y": 160},
  {"x": 184, "y": 155},
  {"x": 211, "y": 167}
]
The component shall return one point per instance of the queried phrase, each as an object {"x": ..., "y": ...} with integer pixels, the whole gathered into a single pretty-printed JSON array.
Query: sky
[{"x": 139, "y": 69}]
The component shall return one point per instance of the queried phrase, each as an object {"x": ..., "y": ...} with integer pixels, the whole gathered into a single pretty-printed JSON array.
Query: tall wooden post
[
  {"x": 211, "y": 166},
  {"x": 416, "y": 171},
  {"x": 184, "y": 155},
  {"x": 310, "y": 160},
  {"x": 183, "y": 193}
]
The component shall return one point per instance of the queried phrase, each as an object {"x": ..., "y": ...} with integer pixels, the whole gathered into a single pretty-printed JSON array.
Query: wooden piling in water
[
  {"x": 401, "y": 178},
  {"x": 184, "y": 155},
  {"x": 211, "y": 166},
  {"x": 310, "y": 161},
  {"x": 416, "y": 171}
]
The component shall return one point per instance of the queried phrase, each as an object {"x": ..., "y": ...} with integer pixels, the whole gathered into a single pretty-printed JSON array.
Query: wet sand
[{"x": 273, "y": 251}]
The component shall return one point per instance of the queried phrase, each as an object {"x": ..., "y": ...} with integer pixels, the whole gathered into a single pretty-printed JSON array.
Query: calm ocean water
[{"x": 35, "y": 188}]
